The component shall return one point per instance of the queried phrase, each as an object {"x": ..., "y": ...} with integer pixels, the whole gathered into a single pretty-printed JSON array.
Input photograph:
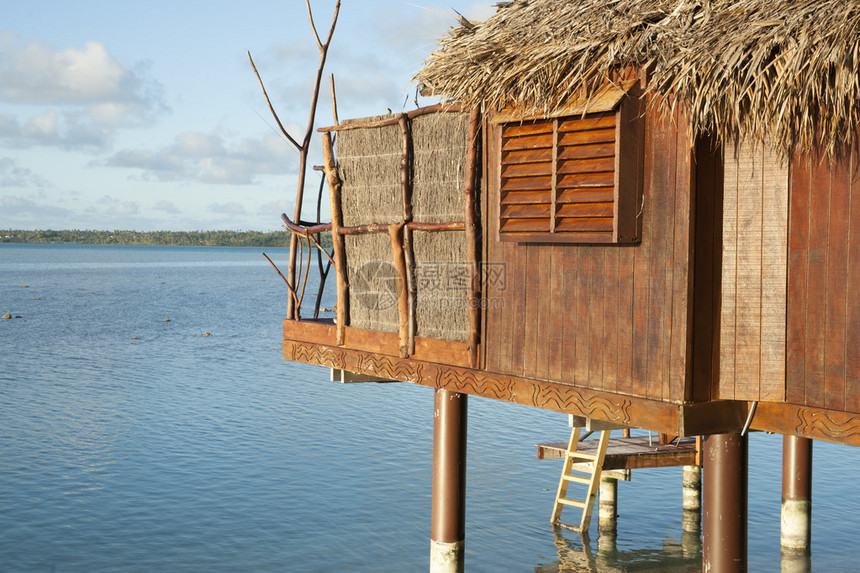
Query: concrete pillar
[
  {"x": 691, "y": 489},
  {"x": 691, "y": 521},
  {"x": 796, "y": 522},
  {"x": 607, "y": 506},
  {"x": 448, "y": 512},
  {"x": 724, "y": 515}
]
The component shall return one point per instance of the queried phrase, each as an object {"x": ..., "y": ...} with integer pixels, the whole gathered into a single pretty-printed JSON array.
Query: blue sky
[{"x": 148, "y": 116}]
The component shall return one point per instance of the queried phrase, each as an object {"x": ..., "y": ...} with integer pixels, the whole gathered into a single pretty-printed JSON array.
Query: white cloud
[
  {"x": 13, "y": 175},
  {"x": 70, "y": 130},
  {"x": 124, "y": 208},
  {"x": 75, "y": 97},
  {"x": 42, "y": 125},
  {"x": 166, "y": 207},
  {"x": 118, "y": 208},
  {"x": 282, "y": 206},
  {"x": 209, "y": 158},
  {"x": 110, "y": 114},
  {"x": 231, "y": 208},
  {"x": 33, "y": 72},
  {"x": 17, "y": 206}
]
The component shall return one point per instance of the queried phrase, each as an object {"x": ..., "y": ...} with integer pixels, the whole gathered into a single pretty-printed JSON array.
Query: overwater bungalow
[{"x": 642, "y": 213}]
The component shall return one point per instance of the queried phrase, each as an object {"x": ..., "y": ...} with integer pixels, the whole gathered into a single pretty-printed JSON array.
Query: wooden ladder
[{"x": 590, "y": 475}]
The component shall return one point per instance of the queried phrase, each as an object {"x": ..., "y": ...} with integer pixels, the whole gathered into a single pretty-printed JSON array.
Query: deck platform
[{"x": 632, "y": 453}]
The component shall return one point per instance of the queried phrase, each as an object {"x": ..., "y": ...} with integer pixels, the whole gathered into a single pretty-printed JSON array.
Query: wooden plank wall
[
  {"x": 607, "y": 317},
  {"x": 823, "y": 362},
  {"x": 755, "y": 231}
]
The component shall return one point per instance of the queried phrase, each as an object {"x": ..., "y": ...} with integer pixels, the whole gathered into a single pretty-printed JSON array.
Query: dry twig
[{"x": 303, "y": 148}]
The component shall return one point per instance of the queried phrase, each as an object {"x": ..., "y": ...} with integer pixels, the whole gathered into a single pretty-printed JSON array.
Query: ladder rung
[
  {"x": 583, "y": 455},
  {"x": 573, "y": 502},
  {"x": 578, "y": 479}
]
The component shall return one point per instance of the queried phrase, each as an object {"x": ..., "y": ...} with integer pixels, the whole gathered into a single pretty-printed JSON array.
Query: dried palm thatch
[
  {"x": 372, "y": 281},
  {"x": 369, "y": 165},
  {"x": 786, "y": 72},
  {"x": 439, "y": 167},
  {"x": 442, "y": 284}
]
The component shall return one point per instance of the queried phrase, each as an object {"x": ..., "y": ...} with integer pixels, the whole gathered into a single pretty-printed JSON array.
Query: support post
[
  {"x": 448, "y": 515},
  {"x": 724, "y": 519},
  {"x": 692, "y": 499},
  {"x": 607, "y": 508},
  {"x": 796, "y": 522}
]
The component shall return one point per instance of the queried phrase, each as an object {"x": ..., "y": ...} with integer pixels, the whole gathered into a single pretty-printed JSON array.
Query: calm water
[{"x": 128, "y": 443}]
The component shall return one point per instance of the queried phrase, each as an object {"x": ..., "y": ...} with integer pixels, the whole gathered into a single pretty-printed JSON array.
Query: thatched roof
[{"x": 781, "y": 71}]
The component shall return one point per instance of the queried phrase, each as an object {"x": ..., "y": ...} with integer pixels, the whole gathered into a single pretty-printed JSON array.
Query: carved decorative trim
[
  {"x": 571, "y": 399},
  {"x": 497, "y": 387},
  {"x": 811, "y": 422},
  {"x": 386, "y": 367},
  {"x": 316, "y": 354},
  {"x": 808, "y": 422},
  {"x": 627, "y": 411}
]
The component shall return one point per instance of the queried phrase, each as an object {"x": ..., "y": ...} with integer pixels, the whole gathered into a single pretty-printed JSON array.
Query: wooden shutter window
[{"x": 560, "y": 180}]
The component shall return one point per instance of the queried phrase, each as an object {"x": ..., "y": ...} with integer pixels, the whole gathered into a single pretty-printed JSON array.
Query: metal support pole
[
  {"x": 796, "y": 522},
  {"x": 724, "y": 519},
  {"x": 448, "y": 515}
]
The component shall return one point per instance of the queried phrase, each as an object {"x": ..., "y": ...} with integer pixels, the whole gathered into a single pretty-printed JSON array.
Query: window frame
[{"x": 621, "y": 101}]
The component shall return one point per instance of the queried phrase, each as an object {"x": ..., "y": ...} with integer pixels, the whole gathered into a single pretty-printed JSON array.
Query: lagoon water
[{"x": 130, "y": 443}]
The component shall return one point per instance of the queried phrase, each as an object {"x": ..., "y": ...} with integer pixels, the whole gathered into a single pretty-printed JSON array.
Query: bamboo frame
[
  {"x": 411, "y": 288},
  {"x": 395, "y": 234},
  {"x": 453, "y": 226},
  {"x": 368, "y": 228},
  {"x": 454, "y": 108},
  {"x": 337, "y": 239},
  {"x": 400, "y": 234},
  {"x": 302, "y": 228},
  {"x": 406, "y": 165},
  {"x": 407, "y": 159},
  {"x": 471, "y": 227}
]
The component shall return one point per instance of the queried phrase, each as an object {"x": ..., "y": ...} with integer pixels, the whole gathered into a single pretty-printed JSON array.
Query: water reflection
[
  {"x": 795, "y": 562},
  {"x": 578, "y": 554}
]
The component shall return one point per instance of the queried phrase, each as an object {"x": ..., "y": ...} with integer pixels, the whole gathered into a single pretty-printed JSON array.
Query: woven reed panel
[
  {"x": 439, "y": 167},
  {"x": 369, "y": 161}
]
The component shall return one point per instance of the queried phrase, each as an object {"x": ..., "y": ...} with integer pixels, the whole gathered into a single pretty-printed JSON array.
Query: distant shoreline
[{"x": 158, "y": 238}]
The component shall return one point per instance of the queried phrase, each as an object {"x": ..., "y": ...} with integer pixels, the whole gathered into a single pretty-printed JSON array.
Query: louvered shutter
[{"x": 562, "y": 180}]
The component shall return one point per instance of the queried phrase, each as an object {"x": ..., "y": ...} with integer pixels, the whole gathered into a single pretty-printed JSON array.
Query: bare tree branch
[
  {"x": 306, "y": 142},
  {"x": 323, "y": 276},
  {"x": 301, "y": 230},
  {"x": 313, "y": 26},
  {"x": 323, "y": 54},
  {"x": 333, "y": 100},
  {"x": 294, "y": 303},
  {"x": 272, "y": 109},
  {"x": 305, "y": 282},
  {"x": 333, "y": 22},
  {"x": 289, "y": 287}
]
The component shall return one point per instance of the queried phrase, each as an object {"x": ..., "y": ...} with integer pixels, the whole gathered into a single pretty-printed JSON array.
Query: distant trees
[{"x": 175, "y": 238}]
